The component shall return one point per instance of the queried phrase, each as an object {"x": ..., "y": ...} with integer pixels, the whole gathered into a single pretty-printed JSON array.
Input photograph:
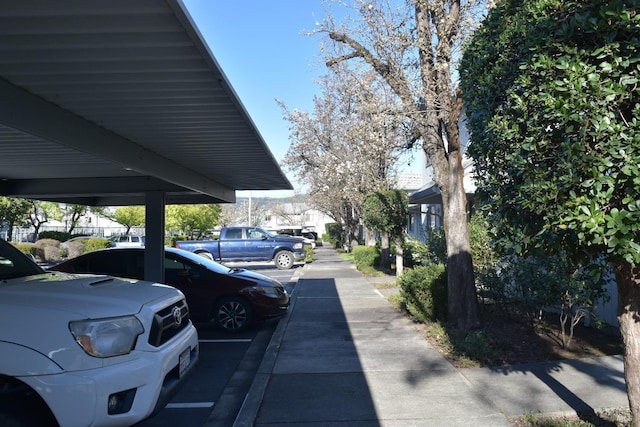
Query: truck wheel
[
  {"x": 29, "y": 412},
  {"x": 232, "y": 314},
  {"x": 283, "y": 260},
  {"x": 206, "y": 255}
]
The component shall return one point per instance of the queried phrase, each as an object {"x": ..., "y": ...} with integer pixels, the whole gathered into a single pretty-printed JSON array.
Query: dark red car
[{"x": 232, "y": 298}]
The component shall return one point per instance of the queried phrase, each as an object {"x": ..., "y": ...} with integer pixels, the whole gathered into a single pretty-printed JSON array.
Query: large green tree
[
  {"x": 553, "y": 100},
  {"x": 387, "y": 212},
  {"x": 72, "y": 215},
  {"x": 13, "y": 211},
  {"x": 42, "y": 212},
  {"x": 129, "y": 216},
  {"x": 194, "y": 220}
]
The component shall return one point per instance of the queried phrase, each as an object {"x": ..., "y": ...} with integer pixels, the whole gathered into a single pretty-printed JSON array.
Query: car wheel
[
  {"x": 284, "y": 260},
  {"x": 206, "y": 255},
  {"x": 232, "y": 314}
]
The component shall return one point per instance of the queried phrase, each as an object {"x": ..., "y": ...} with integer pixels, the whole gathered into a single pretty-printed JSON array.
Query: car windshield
[{"x": 14, "y": 263}]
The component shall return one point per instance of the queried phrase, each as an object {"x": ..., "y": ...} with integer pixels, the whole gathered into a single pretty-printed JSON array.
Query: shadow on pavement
[{"x": 317, "y": 377}]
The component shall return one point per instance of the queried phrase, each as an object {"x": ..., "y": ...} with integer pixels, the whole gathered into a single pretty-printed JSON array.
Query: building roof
[
  {"x": 430, "y": 194},
  {"x": 102, "y": 102}
]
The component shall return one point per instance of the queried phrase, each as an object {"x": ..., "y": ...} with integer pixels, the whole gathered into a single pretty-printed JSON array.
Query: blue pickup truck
[{"x": 249, "y": 244}]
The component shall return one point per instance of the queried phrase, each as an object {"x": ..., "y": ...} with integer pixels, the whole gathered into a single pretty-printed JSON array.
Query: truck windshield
[
  {"x": 268, "y": 233},
  {"x": 14, "y": 263}
]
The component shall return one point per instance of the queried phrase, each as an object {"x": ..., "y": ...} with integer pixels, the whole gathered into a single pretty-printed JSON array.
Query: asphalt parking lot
[{"x": 216, "y": 390}]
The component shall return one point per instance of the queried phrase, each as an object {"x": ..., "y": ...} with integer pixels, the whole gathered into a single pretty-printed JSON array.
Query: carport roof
[{"x": 102, "y": 102}]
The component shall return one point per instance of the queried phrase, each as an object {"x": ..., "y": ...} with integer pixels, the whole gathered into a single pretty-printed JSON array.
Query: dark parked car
[{"x": 232, "y": 298}]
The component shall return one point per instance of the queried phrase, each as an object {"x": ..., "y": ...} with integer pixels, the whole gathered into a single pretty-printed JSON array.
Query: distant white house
[{"x": 297, "y": 215}]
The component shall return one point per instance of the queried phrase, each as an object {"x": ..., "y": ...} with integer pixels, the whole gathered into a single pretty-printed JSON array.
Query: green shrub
[
  {"x": 414, "y": 253},
  {"x": 333, "y": 234},
  {"x": 170, "y": 241},
  {"x": 471, "y": 348},
  {"x": 26, "y": 248},
  {"x": 424, "y": 290},
  {"x": 309, "y": 254},
  {"x": 476, "y": 345},
  {"x": 60, "y": 236},
  {"x": 436, "y": 247},
  {"x": 365, "y": 257},
  {"x": 96, "y": 244}
]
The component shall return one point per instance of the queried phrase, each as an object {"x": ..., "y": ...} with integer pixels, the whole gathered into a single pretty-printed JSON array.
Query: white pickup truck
[{"x": 87, "y": 350}]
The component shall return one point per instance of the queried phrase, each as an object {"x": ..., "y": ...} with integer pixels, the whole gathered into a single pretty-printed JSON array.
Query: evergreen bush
[
  {"x": 26, "y": 248},
  {"x": 60, "y": 236},
  {"x": 333, "y": 234},
  {"x": 424, "y": 290},
  {"x": 96, "y": 244},
  {"x": 308, "y": 254},
  {"x": 365, "y": 257},
  {"x": 414, "y": 253}
]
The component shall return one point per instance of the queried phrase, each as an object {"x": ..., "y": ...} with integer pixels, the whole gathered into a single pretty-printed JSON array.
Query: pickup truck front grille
[{"x": 168, "y": 322}]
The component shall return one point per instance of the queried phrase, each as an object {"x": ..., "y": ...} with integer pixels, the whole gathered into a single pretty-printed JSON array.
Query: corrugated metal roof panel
[{"x": 92, "y": 89}]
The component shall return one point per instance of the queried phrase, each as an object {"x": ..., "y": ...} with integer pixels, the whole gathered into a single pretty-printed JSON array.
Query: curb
[{"x": 249, "y": 410}]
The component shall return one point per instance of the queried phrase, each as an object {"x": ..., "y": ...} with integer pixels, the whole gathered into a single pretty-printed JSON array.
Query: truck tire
[
  {"x": 205, "y": 254},
  {"x": 284, "y": 260},
  {"x": 25, "y": 412},
  {"x": 232, "y": 314}
]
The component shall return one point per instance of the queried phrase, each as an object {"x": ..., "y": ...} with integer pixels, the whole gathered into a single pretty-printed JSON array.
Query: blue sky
[
  {"x": 265, "y": 57},
  {"x": 262, "y": 50}
]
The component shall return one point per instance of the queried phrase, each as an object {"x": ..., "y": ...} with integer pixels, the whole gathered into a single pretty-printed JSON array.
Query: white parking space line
[
  {"x": 190, "y": 405},
  {"x": 237, "y": 340}
]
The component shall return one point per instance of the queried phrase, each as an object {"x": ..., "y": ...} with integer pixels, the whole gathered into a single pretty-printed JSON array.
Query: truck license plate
[{"x": 185, "y": 361}]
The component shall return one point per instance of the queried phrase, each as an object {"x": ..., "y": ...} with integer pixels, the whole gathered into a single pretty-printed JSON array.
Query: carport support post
[{"x": 154, "y": 240}]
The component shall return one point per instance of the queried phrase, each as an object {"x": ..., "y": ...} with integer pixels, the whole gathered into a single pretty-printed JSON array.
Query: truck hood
[
  {"x": 36, "y": 311},
  {"x": 285, "y": 238},
  {"x": 82, "y": 296}
]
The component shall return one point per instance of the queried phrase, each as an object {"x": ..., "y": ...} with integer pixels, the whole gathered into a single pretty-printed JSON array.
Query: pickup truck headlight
[
  {"x": 107, "y": 337},
  {"x": 298, "y": 245}
]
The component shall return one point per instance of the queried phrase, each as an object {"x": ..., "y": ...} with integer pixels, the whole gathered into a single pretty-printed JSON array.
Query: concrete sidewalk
[{"x": 345, "y": 357}]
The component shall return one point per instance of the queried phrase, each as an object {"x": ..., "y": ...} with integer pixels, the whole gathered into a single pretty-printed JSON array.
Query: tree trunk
[
  {"x": 399, "y": 258},
  {"x": 385, "y": 253},
  {"x": 36, "y": 231},
  {"x": 628, "y": 280},
  {"x": 369, "y": 237},
  {"x": 462, "y": 308}
]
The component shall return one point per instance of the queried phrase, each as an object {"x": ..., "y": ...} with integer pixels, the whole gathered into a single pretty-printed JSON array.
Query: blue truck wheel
[{"x": 284, "y": 260}]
